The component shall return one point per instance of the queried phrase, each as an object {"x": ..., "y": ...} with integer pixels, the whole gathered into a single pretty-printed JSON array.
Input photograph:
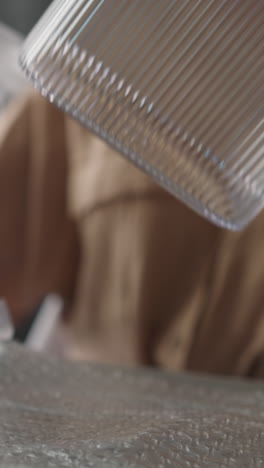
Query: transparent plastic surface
[
  {"x": 176, "y": 87},
  {"x": 56, "y": 414}
]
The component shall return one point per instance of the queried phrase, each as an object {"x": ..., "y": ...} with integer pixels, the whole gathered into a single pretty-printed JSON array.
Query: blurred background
[{"x": 22, "y": 14}]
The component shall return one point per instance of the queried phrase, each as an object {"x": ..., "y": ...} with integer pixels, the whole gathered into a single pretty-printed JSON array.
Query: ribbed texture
[{"x": 176, "y": 86}]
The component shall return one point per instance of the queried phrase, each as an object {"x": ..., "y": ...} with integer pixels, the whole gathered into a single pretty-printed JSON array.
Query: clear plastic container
[{"x": 176, "y": 87}]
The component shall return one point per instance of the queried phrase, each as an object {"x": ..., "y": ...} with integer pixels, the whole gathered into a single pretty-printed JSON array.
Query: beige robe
[{"x": 145, "y": 280}]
